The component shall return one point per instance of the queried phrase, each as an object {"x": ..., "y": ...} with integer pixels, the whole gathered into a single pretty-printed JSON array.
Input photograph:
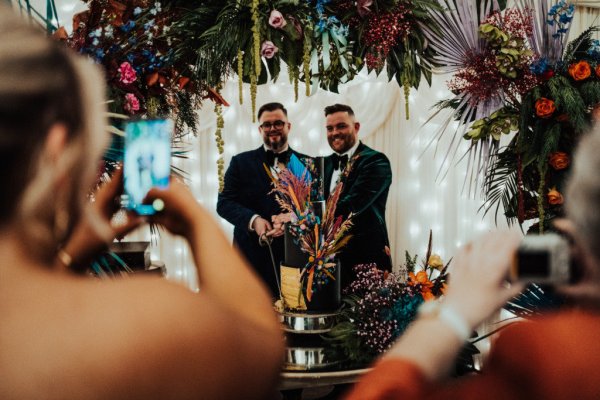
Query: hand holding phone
[{"x": 147, "y": 161}]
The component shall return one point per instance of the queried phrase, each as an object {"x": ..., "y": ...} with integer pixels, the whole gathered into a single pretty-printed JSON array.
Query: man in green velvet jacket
[{"x": 365, "y": 191}]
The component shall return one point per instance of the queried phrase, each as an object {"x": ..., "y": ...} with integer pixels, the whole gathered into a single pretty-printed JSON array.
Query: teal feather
[{"x": 296, "y": 167}]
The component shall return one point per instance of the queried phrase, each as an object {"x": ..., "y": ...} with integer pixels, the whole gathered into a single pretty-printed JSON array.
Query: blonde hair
[{"x": 42, "y": 84}]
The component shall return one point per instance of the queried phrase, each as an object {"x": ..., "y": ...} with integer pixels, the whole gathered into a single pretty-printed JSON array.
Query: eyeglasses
[{"x": 277, "y": 125}]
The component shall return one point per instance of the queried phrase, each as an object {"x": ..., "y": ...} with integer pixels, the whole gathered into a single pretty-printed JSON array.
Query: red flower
[
  {"x": 548, "y": 74},
  {"x": 580, "y": 71},
  {"x": 544, "y": 108},
  {"x": 559, "y": 160}
]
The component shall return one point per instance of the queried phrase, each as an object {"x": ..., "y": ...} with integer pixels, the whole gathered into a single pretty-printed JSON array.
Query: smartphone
[{"x": 146, "y": 161}]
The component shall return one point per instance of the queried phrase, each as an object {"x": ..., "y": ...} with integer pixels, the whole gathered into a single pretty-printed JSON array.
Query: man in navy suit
[
  {"x": 246, "y": 201},
  {"x": 365, "y": 190}
]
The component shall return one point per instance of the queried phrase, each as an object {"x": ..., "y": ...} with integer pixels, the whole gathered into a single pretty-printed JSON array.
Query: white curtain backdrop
[{"x": 417, "y": 201}]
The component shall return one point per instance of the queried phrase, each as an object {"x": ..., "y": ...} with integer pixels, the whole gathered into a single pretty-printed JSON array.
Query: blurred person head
[
  {"x": 583, "y": 198},
  {"x": 274, "y": 125},
  {"x": 52, "y": 132},
  {"x": 342, "y": 127}
]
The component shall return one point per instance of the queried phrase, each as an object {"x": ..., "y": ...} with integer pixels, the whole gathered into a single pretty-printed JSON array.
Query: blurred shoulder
[
  {"x": 570, "y": 336},
  {"x": 104, "y": 329}
]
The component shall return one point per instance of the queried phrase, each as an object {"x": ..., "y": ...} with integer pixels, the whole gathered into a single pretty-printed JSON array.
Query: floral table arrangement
[
  {"x": 515, "y": 73},
  {"x": 379, "y": 306}
]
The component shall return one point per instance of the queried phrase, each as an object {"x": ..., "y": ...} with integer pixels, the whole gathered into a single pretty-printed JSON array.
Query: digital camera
[{"x": 542, "y": 259}]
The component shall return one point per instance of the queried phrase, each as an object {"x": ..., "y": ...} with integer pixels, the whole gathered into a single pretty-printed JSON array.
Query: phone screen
[{"x": 147, "y": 161}]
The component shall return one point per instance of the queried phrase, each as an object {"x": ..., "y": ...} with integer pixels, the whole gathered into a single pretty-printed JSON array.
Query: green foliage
[
  {"x": 500, "y": 184},
  {"x": 577, "y": 48},
  {"x": 410, "y": 262},
  {"x": 568, "y": 100},
  {"x": 501, "y": 122},
  {"x": 590, "y": 92}
]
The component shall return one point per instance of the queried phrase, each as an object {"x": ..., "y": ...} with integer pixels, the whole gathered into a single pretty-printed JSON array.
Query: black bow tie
[
  {"x": 282, "y": 157},
  {"x": 339, "y": 162}
]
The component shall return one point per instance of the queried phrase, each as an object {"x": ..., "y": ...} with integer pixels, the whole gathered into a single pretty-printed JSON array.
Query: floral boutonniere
[{"x": 347, "y": 169}]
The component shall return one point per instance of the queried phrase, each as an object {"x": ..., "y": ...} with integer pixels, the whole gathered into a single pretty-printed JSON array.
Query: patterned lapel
[{"x": 355, "y": 164}]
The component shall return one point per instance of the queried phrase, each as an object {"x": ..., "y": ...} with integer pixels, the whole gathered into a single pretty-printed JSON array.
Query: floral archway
[{"x": 170, "y": 81}]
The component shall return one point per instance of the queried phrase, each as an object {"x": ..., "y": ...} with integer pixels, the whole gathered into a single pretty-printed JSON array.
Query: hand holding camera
[
  {"x": 477, "y": 285},
  {"x": 542, "y": 259}
]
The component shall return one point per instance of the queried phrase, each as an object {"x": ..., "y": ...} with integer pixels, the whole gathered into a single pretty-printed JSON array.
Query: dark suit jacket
[
  {"x": 364, "y": 194},
  {"x": 246, "y": 193}
]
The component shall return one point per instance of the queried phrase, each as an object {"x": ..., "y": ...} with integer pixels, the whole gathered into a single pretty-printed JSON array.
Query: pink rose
[
  {"x": 276, "y": 20},
  {"x": 132, "y": 104},
  {"x": 268, "y": 49},
  {"x": 127, "y": 73}
]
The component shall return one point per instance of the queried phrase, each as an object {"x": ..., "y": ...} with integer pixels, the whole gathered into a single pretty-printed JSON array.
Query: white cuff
[
  {"x": 252, "y": 221},
  {"x": 455, "y": 321},
  {"x": 449, "y": 316}
]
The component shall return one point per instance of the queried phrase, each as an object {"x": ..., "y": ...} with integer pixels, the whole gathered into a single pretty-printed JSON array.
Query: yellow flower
[{"x": 435, "y": 261}]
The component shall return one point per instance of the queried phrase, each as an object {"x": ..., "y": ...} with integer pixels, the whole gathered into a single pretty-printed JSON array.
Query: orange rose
[
  {"x": 182, "y": 81},
  {"x": 597, "y": 71},
  {"x": 544, "y": 108},
  {"x": 554, "y": 197},
  {"x": 559, "y": 160},
  {"x": 580, "y": 71},
  {"x": 152, "y": 79}
]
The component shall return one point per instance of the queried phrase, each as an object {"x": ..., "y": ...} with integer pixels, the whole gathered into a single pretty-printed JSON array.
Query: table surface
[{"x": 300, "y": 380}]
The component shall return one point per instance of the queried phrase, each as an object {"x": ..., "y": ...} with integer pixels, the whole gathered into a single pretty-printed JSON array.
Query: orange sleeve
[
  {"x": 553, "y": 358},
  {"x": 390, "y": 378}
]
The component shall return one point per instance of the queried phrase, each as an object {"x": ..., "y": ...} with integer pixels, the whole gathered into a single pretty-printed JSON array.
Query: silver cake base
[
  {"x": 306, "y": 350},
  {"x": 303, "y": 323}
]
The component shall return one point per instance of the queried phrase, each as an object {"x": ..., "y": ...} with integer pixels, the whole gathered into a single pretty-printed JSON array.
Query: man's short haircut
[
  {"x": 338, "y": 108},
  {"x": 271, "y": 107}
]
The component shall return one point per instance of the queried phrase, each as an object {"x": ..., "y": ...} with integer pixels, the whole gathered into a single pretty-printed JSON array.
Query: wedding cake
[{"x": 310, "y": 278}]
